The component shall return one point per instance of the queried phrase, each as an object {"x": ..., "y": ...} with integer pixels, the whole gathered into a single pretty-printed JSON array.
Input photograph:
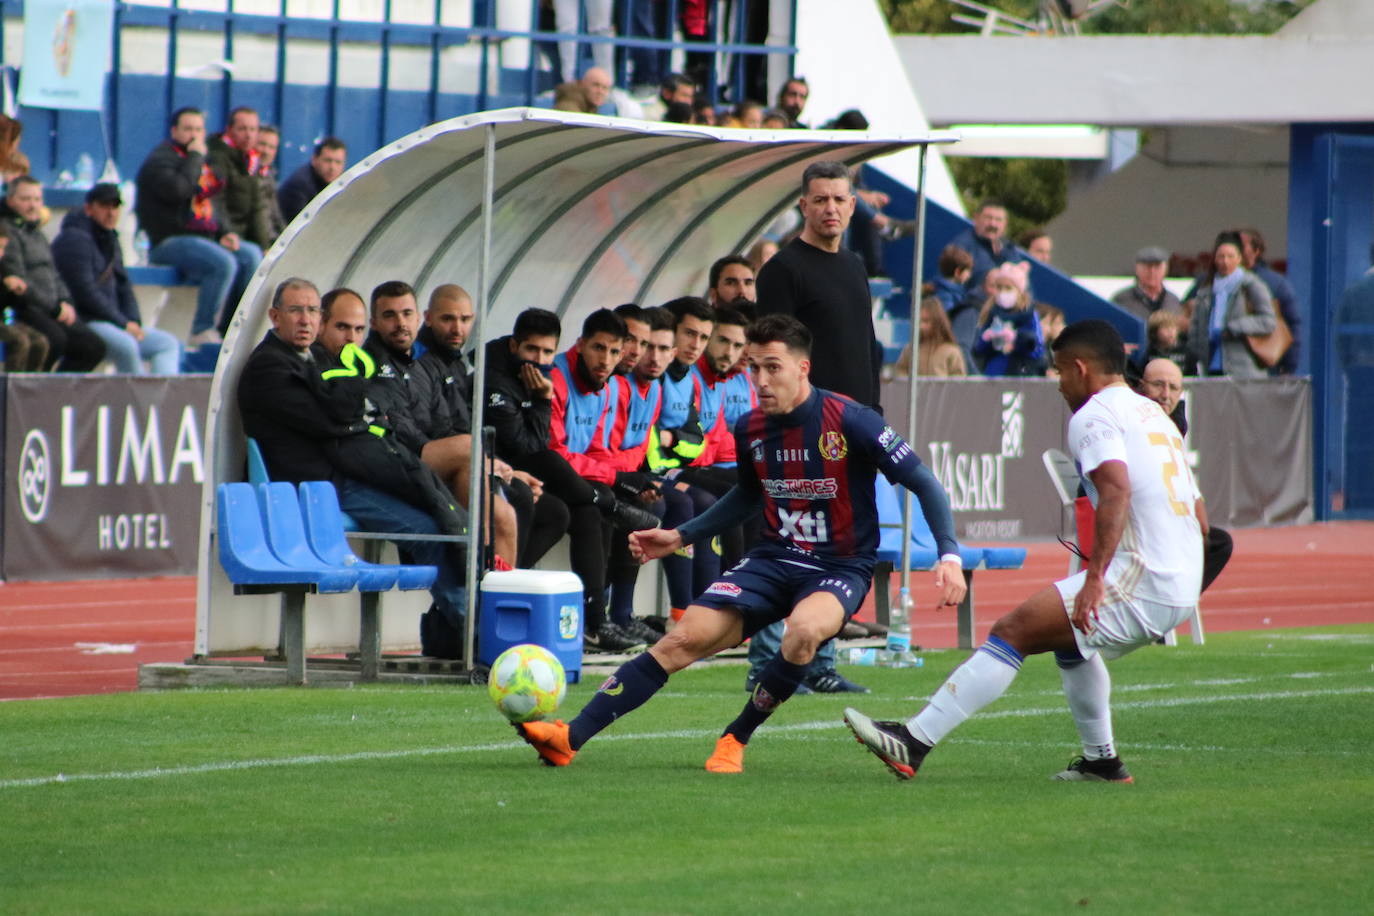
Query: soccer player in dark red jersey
[{"x": 808, "y": 459}]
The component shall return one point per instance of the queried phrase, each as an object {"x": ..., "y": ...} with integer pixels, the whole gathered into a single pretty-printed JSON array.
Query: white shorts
[{"x": 1124, "y": 622}]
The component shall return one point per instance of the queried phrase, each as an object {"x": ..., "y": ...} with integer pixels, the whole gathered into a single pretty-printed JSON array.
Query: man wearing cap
[
  {"x": 1148, "y": 295},
  {"x": 86, "y": 252}
]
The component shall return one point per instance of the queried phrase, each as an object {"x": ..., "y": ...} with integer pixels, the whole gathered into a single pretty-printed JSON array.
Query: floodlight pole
[
  {"x": 477, "y": 477},
  {"x": 917, "y": 271}
]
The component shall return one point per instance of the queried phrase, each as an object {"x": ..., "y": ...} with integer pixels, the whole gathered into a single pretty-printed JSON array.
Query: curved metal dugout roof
[{"x": 587, "y": 211}]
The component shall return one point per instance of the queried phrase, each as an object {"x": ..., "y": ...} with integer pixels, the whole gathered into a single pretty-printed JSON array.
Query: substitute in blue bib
[{"x": 807, "y": 460}]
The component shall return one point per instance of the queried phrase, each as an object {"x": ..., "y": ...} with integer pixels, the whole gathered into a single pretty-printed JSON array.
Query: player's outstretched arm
[{"x": 654, "y": 543}]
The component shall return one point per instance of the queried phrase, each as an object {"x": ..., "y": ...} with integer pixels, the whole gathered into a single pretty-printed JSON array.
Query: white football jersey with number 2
[{"x": 1160, "y": 554}]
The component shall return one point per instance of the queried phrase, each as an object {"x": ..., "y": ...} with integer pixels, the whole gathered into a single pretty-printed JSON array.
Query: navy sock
[
  {"x": 777, "y": 682},
  {"x": 623, "y": 692}
]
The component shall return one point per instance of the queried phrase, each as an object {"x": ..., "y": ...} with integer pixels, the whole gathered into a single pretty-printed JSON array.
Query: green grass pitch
[{"x": 1253, "y": 757}]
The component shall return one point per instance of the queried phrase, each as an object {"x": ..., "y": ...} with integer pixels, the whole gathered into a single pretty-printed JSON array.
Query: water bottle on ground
[{"x": 898, "y": 653}]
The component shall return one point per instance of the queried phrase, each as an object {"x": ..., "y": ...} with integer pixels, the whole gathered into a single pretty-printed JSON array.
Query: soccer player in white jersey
[{"x": 1142, "y": 579}]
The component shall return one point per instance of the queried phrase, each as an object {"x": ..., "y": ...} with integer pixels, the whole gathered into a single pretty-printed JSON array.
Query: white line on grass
[{"x": 313, "y": 759}]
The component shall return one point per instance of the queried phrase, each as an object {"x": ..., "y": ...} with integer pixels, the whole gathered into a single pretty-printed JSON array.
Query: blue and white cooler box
[{"x": 537, "y": 606}]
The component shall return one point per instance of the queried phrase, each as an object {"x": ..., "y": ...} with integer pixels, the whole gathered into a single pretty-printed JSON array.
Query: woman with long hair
[
  {"x": 1229, "y": 306},
  {"x": 939, "y": 353}
]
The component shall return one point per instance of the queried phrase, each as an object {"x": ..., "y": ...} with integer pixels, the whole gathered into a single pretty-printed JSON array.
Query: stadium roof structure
[{"x": 527, "y": 207}]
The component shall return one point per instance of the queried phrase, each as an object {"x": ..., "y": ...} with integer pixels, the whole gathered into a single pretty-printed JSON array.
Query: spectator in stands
[
  {"x": 987, "y": 242},
  {"x": 679, "y": 113},
  {"x": 180, "y": 207},
  {"x": 1038, "y": 244},
  {"x": 1230, "y": 304},
  {"x": 674, "y": 88},
  {"x": 955, "y": 267},
  {"x": 417, "y": 414},
  {"x": 572, "y": 97},
  {"x": 90, "y": 262},
  {"x": 774, "y": 120},
  {"x": 234, "y": 158},
  {"x": 26, "y": 350},
  {"x": 1252, "y": 256},
  {"x": 792, "y": 100},
  {"x": 1010, "y": 340},
  {"x": 747, "y": 114},
  {"x": 1051, "y": 321},
  {"x": 1164, "y": 331},
  {"x": 567, "y": 19},
  {"x": 284, "y": 406},
  {"x": 605, "y": 98},
  {"x": 703, "y": 112},
  {"x": 1149, "y": 295},
  {"x": 43, "y": 301},
  {"x": 326, "y": 163},
  {"x": 647, "y": 19},
  {"x": 1162, "y": 382},
  {"x": 760, "y": 253},
  {"x": 13, "y": 162},
  {"x": 731, "y": 278},
  {"x": 269, "y": 142},
  {"x": 940, "y": 353}
]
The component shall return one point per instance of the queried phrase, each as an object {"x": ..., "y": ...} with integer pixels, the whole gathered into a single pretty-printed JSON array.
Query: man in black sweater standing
[{"x": 824, "y": 285}]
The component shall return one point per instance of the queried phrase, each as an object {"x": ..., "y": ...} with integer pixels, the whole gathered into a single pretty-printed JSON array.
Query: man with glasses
[
  {"x": 284, "y": 406},
  {"x": 1162, "y": 382}
]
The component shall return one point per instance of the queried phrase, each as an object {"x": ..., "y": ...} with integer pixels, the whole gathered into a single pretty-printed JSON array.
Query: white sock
[
  {"x": 1088, "y": 688},
  {"x": 974, "y": 684}
]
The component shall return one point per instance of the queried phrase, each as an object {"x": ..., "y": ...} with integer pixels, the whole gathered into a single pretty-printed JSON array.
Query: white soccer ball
[{"x": 527, "y": 683}]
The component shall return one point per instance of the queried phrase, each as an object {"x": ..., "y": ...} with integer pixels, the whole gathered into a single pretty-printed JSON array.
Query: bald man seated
[{"x": 1162, "y": 382}]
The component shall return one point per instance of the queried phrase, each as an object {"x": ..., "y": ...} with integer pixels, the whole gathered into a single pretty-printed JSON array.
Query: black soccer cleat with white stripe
[
  {"x": 890, "y": 742},
  {"x": 1106, "y": 769}
]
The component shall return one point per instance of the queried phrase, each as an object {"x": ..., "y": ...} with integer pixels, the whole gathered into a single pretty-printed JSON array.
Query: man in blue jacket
[{"x": 88, "y": 258}]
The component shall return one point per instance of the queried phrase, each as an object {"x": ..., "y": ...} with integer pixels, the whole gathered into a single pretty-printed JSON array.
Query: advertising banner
[
  {"x": 66, "y": 49},
  {"x": 103, "y": 476},
  {"x": 1249, "y": 444}
]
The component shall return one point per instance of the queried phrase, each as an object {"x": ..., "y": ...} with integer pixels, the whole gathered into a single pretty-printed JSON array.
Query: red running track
[{"x": 67, "y": 638}]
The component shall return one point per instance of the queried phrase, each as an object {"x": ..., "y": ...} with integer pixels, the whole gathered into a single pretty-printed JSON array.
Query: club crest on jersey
[
  {"x": 756, "y": 446},
  {"x": 728, "y": 589},
  {"x": 833, "y": 445}
]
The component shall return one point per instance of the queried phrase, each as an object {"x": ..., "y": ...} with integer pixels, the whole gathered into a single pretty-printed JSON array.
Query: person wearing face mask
[{"x": 1010, "y": 340}]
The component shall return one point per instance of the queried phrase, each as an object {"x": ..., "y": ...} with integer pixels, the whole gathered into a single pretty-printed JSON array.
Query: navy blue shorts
[{"x": 764, "y": 586}]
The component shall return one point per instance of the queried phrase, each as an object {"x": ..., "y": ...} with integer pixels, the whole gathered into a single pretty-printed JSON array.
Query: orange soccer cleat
[
  {"x": 728, "y": 757},
  {"x": 550, "y": 739}
]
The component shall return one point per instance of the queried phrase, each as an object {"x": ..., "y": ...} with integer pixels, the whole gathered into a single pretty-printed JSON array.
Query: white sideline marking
[{"x": 312, "y": 759}]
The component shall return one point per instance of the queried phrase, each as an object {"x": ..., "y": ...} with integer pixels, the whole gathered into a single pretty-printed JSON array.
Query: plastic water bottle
[
  {"x": 85, "y": 171},
  {"x": 142, "y": 247},
  {"x": 898, "y": 653},
  {"x": 882, "y": 658},
  {"x": 857, "y": 656},
  {"x": 899, "y": 624}
]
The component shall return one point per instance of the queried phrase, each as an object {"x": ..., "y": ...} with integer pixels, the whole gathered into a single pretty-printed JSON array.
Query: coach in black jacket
[{"x": 283, "y": 405}]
